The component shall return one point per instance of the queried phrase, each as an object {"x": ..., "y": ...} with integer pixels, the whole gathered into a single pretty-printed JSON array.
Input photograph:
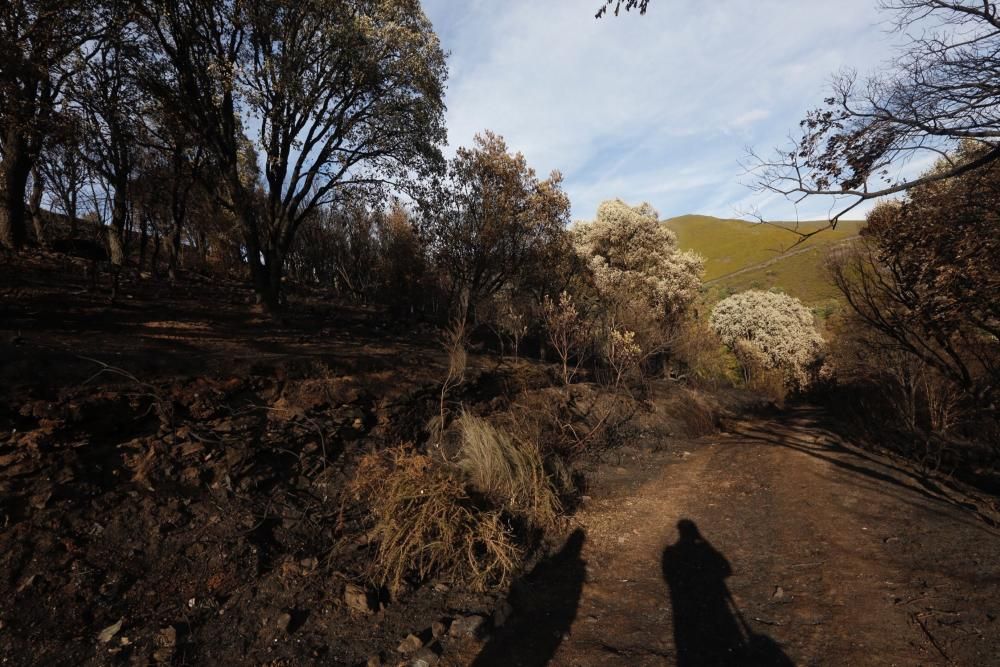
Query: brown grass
[
  {"x": 427, "y": 525},
  {"x": 507, "y": 469}
]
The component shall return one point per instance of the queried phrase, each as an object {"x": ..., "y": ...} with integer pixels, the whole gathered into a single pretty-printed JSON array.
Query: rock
[
  {"x": 502, "y": 613},
  {"x": 410, "y": 644},
  {"x": 425, "y": 657},
  {"x": 438, "y": 629},
  {"x": 109, "y": 632},
  {"x": 466, "y": 626},
  {"x": 284, "y": 620},
  {"x": 360, "y": 600},
  {"x": 373, "y": 661},
  {"x": 779, "y": 593}
]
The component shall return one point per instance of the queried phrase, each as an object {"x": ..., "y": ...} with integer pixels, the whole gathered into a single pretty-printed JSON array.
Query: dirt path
[{"x": 831, "y": 557}]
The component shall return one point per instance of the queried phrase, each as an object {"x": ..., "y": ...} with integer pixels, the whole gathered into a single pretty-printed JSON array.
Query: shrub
[
  {"x": 769, "y": 331},
  {"x": 567, "y": 332},
  {"x": 699, "y": 357},
  {"x": 622, "y": 354},
  {"x": 427, "y": 525},
  {"x": 509, "y": 471}
]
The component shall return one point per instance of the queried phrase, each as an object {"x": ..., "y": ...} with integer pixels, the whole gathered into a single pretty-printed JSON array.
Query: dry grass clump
[
  {"x": 696, "y": 415},
  {"x": 426, "y": 524},
  {"x": 509, "y": 470}
]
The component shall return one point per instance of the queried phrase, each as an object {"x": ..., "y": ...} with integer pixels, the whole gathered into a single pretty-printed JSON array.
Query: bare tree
[
  {"x": 941, "y": 89},
  {"x": 62, "y": 167},
  {"x": 345, "y": 94},
  {"x": 629, "y": 5},
  {"x": 926, "y": 277},
  {"x": 108, "y": 97},
  {"x": 40, "y": 44}
]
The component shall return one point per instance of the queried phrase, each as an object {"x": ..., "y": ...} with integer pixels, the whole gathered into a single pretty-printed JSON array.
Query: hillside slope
[{"x": 741, "y": 255}]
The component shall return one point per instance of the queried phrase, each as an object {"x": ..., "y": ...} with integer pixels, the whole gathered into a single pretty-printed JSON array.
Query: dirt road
[{"x": 774, "y": 544}]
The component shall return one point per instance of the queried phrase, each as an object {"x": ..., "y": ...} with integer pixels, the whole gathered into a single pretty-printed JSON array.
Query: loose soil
[
  {"x": 172, "y": 490},
  {"x": 807, "y": 551}
]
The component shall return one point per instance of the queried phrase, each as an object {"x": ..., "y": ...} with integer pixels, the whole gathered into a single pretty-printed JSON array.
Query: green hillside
[{"x": 741, "y": 255}]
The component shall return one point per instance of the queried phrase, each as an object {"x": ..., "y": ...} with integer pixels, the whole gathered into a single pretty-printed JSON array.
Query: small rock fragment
[
  {"x": 374, "y": 661},
  {"x": 425, "y": 658},
  {"x": 438, "y": 629},
  {"x": 359, "y": 600},
  {"x": 410, "y": 644},
  {"x": 779, "y": 593},
  {"x": 283, "y": 621},
  {"x": 109, "y": 632},
  {"x": 466, "y": 626}
]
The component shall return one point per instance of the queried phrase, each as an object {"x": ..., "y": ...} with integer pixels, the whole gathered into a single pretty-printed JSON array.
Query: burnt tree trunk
[
  {"x": 14, "y": 171},
  {"x": 35, "y": 206}
]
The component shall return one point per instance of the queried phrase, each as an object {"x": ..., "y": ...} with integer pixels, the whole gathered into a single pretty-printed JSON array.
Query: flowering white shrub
[
  {"x": 634, "y": 259},
  {"x": 772, "y": 330}
]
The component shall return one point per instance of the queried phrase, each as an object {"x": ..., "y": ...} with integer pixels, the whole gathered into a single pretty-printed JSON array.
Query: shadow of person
[
  {"x": 708, "y": 627},
  {"x": 545, "y": 603}
]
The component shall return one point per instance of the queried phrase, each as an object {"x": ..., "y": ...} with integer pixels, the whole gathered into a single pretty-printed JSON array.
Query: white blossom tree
[
  {"x": 771, "y": 330},
  {"x": 646, "y": 282}
]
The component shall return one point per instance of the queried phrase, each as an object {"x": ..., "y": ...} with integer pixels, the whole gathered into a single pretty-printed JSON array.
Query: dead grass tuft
[
  {"x": 507, "y": 469},
  {"x": 427, "y": 525}
]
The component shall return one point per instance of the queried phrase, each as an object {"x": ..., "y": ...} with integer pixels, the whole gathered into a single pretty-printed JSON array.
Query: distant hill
[{"x": 741, "y": 255}]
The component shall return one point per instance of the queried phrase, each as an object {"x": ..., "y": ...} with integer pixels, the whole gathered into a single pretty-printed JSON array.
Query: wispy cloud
[{"x": 657, "y": 108}]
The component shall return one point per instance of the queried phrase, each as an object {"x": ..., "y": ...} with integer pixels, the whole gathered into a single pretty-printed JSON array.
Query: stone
[
  {"x": 359, "y": 599},
  {"x": 107, "y": 633},
  {"x": 283, "y": 621},
  {"x": 425, "y": 657},
  {"x": 373, "y": 661},
  {"x": 466, "y": 626},
  {"x": 410, "y": 644},
  {"x": 439, "y": 629}
]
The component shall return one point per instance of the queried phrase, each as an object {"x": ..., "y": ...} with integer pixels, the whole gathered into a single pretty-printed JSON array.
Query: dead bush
[
  {"x": 509, "y": 470},
  {"x": 426, "y": 524},
  {"x": 694, "y": 412},
  {"x": 699, "y": 357}
]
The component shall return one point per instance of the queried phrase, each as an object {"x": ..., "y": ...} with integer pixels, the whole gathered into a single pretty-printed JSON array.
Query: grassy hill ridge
[{"x": 741, "y": 255}]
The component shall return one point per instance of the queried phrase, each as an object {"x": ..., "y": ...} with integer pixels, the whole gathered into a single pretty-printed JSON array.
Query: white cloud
[{"x": 656, "y": 107}]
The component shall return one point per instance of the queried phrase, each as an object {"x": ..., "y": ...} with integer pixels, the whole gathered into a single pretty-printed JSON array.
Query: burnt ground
[{"x": 172, "y": 476}]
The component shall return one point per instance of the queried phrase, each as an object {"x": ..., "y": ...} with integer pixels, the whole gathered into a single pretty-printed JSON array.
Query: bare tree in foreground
[
  {"x": 629, "y": 5},
  {"x": 942, "y": 89}
]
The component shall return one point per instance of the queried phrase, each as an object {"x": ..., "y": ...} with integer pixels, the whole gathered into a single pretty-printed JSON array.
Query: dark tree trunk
[
  {"x": 35, "y": 207},
  {"x": 116, "y": 241},
  {"x": 154, "y": 261},
  {"x": 14, "y": 172},
  {"x": 174, "y": 251},
  {"x": 143, "y": 239}
]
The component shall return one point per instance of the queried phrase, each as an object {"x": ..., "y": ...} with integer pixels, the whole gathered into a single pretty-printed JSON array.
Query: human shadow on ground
[
  {"x": 545, "y": 604},
  {"x": 708, "y": 627}
]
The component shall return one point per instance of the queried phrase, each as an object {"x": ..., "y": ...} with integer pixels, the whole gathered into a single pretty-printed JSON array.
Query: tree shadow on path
[
  {"x": 545, "y": 604},
  {"x": 708, "y": 627}
]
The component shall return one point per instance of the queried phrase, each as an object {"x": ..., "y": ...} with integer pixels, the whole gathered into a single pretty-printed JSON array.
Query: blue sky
[{"x": 657, "y": 108}]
